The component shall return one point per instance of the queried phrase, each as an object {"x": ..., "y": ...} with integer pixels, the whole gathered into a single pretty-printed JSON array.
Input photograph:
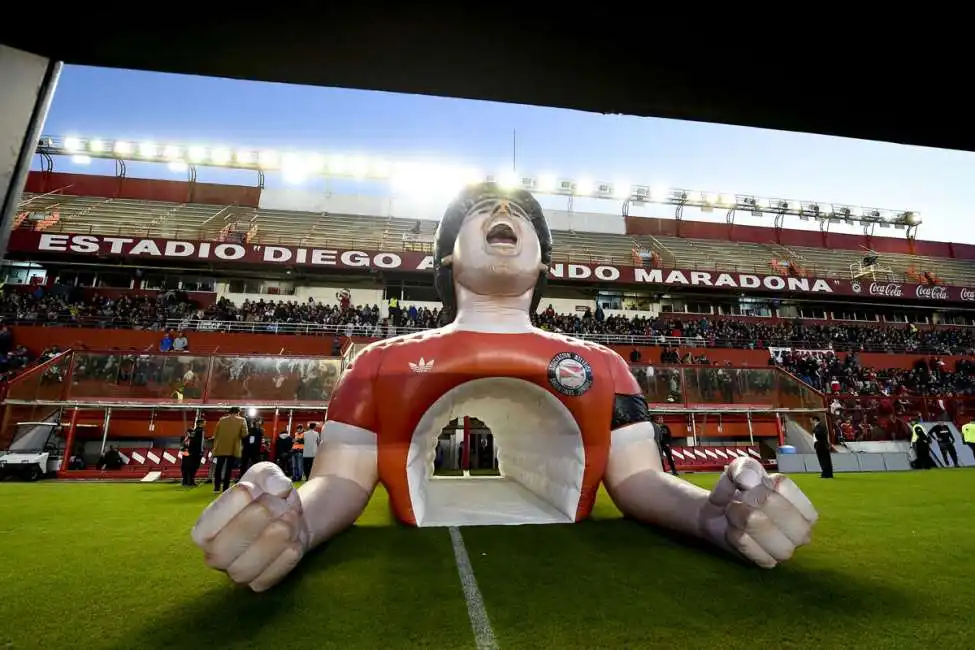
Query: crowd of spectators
[
  {"x": 15, "y": 359},
  {"x": 174, "y": 311},
  {"x": 829, "y": 373},
  {"x": 730, "y": 333},
  {"x": 61, "y": 306}
]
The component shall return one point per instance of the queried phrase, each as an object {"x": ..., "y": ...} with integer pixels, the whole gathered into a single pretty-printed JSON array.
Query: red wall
[
  {"x": 142, "y": 189},
  {"x": 789, "y": 237}
]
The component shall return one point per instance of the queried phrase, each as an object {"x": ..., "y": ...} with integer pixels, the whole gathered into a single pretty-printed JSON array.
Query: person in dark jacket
[
  {"x": 823, "y": 448},
  {"x": 192, "y": 453},
  {"x": 922, "y": 448},
  {"x": 111, "y": 459},
  {"x": 282, "y": 451},
  {"x": 250, "y": 452},
  {"x": 946, "y": 442},
  {"x": 664, "y": 441}
]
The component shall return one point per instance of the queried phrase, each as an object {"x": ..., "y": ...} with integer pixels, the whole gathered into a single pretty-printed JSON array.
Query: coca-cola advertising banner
[{"x": 135, "y": 248}]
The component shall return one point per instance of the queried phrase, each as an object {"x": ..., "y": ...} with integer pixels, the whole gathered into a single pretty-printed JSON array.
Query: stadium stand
[{"x": 720, "y": 408}]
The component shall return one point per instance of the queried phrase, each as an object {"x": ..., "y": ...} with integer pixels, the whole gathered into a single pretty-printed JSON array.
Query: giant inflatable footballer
[{"x": 566, "y": 416}]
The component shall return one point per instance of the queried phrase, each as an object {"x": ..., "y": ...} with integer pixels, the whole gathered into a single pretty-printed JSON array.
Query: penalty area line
[{"x": 480, "y": 625}]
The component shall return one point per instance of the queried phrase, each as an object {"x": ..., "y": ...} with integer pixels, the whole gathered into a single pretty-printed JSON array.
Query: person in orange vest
[{"x": 298, "y": 455}]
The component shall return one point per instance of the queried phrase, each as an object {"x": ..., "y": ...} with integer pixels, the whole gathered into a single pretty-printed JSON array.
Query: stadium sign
[{"x": 131, "y": 248}]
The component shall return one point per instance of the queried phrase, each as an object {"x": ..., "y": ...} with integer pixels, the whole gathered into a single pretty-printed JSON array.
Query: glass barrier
[
  {"x": 279, "y": 380},
  {"x": 45, "y": 382},
  {"x": 704, "y": 386},
  {"x": 660, "y": 384},
  {"x": 134, "y": 376}
]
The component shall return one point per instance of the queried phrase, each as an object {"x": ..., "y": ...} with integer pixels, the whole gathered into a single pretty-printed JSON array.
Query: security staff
[
  {"x": 922, "y": 447},
  {"x": 664, "y": 440},
  {"x": 946, "y": 442},
  {"x": 823, "y": 448},
  {"x": 968, "y": 434}
]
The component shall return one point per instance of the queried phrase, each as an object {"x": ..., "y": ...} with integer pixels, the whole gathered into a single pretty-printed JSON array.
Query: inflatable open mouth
[{"x": 502, "y": 233}]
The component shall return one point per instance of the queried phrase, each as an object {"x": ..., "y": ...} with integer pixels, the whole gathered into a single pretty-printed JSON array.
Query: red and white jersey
[{"x": 393, "y": 383}]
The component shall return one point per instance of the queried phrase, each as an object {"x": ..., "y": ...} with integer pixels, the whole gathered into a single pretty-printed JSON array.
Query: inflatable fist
[
  {"x": 254, "y": 531},
  {"x": 763, "y": 518}
]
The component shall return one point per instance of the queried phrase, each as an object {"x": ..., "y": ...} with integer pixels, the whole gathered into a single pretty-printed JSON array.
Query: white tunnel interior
[{"x": 540, "y": 456}]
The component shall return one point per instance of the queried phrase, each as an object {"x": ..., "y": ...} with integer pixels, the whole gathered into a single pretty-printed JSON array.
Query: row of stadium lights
[{"x": 298, "y": 167}]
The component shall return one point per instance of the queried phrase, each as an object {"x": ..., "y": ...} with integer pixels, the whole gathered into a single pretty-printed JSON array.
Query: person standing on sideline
[
  {"x": 251, "y": 449},
  {"x": 922, "y": 447},
  {"x": 184, "y": 461},
  {"x": 942, "y": 434},
  {"x": 968, "y": 435},
  {"x": 192, "y": 453},
  {"x": 664, "y": 440},
  {"x": 298, "y": 454},
  {"x": 312, "y": 438},
  {"x": 822, "y": 446},
  {"x": 227, "y": 436}
]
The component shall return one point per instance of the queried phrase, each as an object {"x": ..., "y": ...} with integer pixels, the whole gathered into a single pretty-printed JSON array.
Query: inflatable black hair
[{"x": 449, "y": 228}]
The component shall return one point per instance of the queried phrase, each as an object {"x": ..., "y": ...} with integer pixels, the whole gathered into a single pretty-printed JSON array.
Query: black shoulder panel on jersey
[{"x": 629, "y": 409}]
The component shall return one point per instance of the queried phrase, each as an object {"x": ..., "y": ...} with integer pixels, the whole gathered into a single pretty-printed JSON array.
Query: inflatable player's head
[{"x": 492, "y": 242}]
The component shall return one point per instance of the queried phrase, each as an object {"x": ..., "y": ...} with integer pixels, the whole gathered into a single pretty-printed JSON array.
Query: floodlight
[
  {"x": 220, "y": 156},
  {"x": 359, "y": 167},
  {"x": 380, "y": 168},
  {"x": 72, "y": 145},
  {"x": 509, "y": 180},
  {"x": 547, "y": 183},
  {"x": 337, "y": 164},
  {"x": 584, "y": 187},
  {"x": 245, "y": 158}
]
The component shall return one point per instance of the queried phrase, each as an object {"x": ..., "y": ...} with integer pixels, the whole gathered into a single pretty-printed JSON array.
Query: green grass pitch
[{"x": 892, "y": 565}]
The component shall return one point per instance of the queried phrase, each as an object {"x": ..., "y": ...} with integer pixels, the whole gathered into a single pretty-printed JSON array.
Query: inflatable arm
[
  {"x": 259, "y": 530},
  {"x": 756, "y": 516},
  {"x": 342, "y": 481}
]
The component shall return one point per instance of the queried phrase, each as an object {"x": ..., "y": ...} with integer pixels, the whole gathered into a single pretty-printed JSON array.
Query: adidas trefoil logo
[{"x": 422, "y": 365}]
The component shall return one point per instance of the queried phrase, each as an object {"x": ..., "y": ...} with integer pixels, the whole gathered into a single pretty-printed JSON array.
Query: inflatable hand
[
  {"x": 256, "y": 530},
  {"x": 763, "y": 518}
]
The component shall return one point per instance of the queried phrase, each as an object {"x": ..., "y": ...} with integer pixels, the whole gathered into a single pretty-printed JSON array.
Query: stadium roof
[{"x": 794, "y": 78}]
